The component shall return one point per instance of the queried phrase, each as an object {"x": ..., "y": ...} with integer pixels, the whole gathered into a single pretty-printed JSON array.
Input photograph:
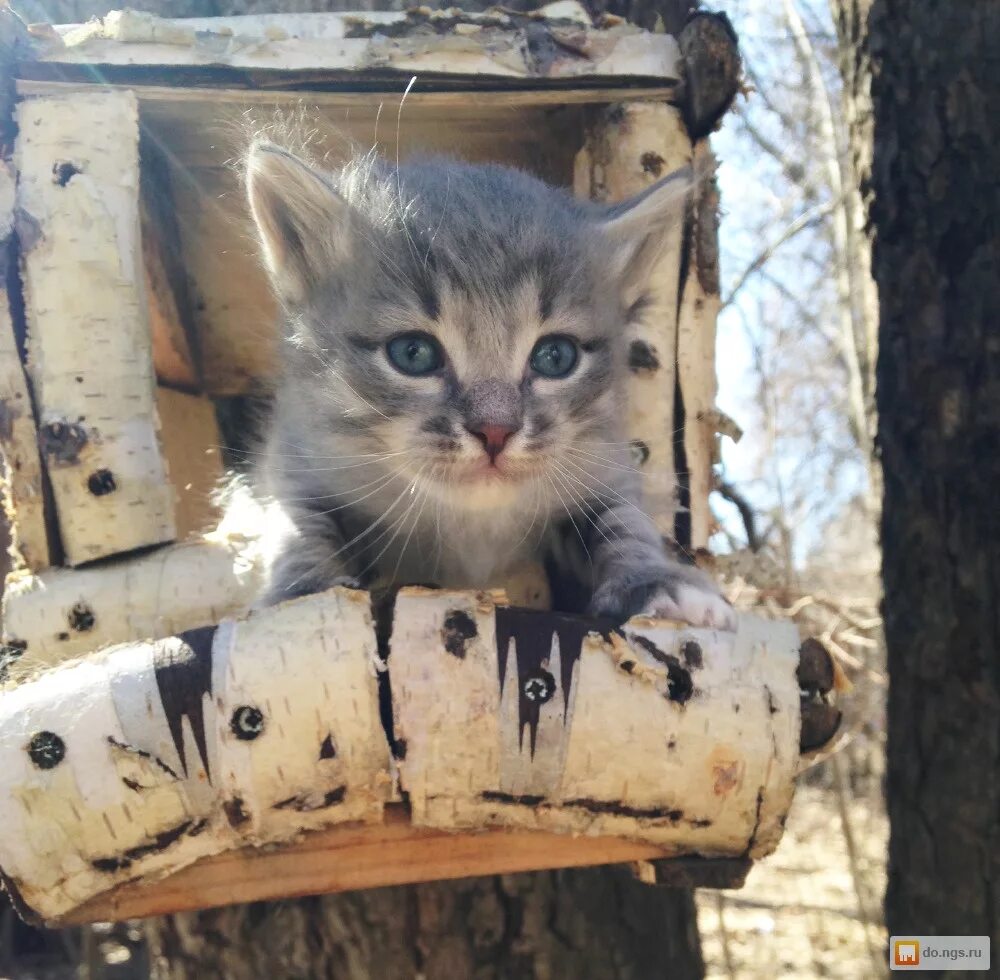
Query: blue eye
[
  {"x": 554, "y": 357},
  {"x": 415, "y": 353}
]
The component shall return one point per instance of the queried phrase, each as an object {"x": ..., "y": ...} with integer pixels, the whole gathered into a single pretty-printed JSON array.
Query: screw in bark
[
  {"x": 46, "y": 750},
  {"x": 247, "y": 723},
  {"x": 539, "y": 686},
  {"x": 101, "y": 482},
  {"x": 81, "y": 618}
]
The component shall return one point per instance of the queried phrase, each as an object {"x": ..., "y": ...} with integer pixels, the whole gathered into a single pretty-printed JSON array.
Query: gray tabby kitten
[{"x": 453, "y": 389}]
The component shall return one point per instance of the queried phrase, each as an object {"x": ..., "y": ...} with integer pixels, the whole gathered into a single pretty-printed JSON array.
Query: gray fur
[{"x": 378, "y": 472}]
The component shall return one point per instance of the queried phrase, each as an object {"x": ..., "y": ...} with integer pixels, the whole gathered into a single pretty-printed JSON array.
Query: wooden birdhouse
[{"x": 146, "y": 776}]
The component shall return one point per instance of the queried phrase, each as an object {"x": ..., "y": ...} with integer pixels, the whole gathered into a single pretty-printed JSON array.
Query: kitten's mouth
[{"x": 501, "y": 471}]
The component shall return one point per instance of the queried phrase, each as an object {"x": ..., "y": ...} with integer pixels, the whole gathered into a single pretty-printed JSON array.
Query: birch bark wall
[{"x": 78, "y": 202}]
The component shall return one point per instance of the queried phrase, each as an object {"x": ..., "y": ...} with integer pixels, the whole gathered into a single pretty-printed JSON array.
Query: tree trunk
[
  {"x": 854, "y": 61},
  {"x": 591, "y": 923},
  {"x": 936, "y": 95}
]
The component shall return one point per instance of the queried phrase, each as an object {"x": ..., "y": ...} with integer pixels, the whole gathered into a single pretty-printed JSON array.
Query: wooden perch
[{"x": 654, "y": 741}]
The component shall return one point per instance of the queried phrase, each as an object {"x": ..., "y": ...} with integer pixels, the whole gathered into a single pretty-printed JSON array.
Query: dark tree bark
[
  {"x": 936, "y": 93},
  {"x": 594, "y": 923}
]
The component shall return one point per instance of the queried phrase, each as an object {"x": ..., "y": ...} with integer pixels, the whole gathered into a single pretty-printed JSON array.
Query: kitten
[{"x": 453, "y": 382}]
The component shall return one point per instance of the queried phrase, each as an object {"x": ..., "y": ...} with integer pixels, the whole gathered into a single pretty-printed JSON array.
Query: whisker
[
  {"x": 382, "y": 482},
  {"x": 267, "y": 452},
  {"x": 593, "y": 520},
  {"x": 583, "y": 543},
  {"x": 338, "y": 469}
]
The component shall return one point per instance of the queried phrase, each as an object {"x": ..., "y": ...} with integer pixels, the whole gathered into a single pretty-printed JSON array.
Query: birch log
[
  {"x": 138, "y": 762},
  {"x": 687, "y": 738},
  {"x": 699, "y": 308},
  {"x": 24, "y": 501},
  {"x": 658, "y": 739},
  {"x": 62, "y": 613},
  {"x": 628, "y": 148},
  {"x": 562, "y": 43},
  {"x": 89, "y": 350}
]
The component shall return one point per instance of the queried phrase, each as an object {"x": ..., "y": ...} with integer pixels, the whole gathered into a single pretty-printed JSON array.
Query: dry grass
[{"x": 797, "y": 916}]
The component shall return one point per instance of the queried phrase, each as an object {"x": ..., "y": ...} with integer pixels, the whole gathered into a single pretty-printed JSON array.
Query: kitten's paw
[
  {"x": 692, "y": 604},
  {"x": 681, "y": 592}
]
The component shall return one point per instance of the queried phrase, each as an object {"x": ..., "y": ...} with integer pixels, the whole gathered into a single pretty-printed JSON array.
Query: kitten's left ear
[
  {"x": 303, "y": 222},
  {"x": 639, "y": 229}
]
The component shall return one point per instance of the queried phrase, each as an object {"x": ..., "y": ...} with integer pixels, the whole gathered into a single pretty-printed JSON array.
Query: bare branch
[{"x": 808, "y": 219}]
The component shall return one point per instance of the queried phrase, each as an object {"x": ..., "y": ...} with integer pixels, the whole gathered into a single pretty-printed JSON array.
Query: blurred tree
[
  {"x": 936, "y": 214},
  {"x": 799, "y": 294}
]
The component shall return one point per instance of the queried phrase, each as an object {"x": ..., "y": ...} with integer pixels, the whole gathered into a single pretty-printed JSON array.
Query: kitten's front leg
[
  {"x": 636, "y": 576},
  {"x": 301, "y": 564}
]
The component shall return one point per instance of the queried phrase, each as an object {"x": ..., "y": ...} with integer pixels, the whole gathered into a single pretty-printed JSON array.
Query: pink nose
[{"x": 493, "y": 438}]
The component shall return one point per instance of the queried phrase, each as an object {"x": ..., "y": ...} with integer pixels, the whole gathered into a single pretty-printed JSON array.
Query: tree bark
[
  {"x": 594, "y": 923},
  {"x": 936, "y": 94}
]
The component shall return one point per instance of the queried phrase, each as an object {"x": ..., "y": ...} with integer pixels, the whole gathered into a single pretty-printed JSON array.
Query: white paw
[{"x": 694, "y": 605}]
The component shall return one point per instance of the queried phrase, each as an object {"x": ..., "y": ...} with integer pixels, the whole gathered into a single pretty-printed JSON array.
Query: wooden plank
[
  {"x": 192, "y": 447},
  {"x": 437, "y": 42},
  {"x": 628, "y": 148},
  {"x": 354, "y": 96},
  {"x": 89, "y": 351},
  {"x": 171, "y": 322},
  {"x": 353, "y": 858}
]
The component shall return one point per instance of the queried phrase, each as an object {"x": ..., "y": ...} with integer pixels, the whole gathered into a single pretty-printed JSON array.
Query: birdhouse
[{"x": 166, "y": 731}]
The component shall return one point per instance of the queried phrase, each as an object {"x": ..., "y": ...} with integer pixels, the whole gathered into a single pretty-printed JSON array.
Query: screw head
[
  {"x": 101, "y": 482},
  {"x": 247, "y": 723},
  {"x": 46, "y": 750},
  {"x": 81, "y": 618},
  {"x": 539, "y": 686}
]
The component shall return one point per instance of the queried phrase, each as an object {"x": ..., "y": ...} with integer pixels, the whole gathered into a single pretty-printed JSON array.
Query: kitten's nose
[{"x": 493, "y": 438}]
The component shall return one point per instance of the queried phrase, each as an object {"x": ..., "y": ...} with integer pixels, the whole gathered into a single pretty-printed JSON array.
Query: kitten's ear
[
  {"x": 303, "y": 222},
  {"x": 639, "y": 229}
]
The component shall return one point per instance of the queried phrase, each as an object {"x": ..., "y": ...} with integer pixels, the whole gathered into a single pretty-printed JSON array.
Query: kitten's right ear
[
  {"x": 303, "y": 222},
  {"x": 639, "y": 229}
]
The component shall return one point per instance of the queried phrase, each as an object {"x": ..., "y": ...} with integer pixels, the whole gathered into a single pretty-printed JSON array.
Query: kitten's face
[
  {"x": 487, "y": 391},
  {"x": 473, "y": 335}
]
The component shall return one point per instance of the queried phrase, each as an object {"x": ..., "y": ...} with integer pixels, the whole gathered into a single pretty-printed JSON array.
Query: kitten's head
[{"x": 467, "y": 319}]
